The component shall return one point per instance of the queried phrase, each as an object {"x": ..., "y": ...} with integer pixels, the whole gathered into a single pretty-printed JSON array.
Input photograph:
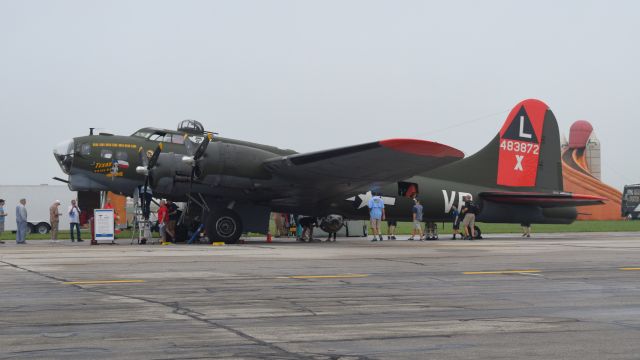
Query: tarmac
[{"x": 553, "y": 296}]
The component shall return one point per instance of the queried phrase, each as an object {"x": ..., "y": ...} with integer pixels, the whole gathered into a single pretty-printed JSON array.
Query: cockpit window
[
  {"x": 177, "y": 139},
  {"x": 142, "y": 134},
  {"x": 156, "y": 137},
  {"x": 85, "y": 149},
  {"x": 106, "y": 154}
]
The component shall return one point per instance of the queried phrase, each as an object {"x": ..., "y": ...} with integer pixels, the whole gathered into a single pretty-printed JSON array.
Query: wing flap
[{"x": 542, "y": 199}]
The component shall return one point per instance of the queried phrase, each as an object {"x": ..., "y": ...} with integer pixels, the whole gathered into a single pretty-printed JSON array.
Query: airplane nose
[{"x": 63, "y": 152}]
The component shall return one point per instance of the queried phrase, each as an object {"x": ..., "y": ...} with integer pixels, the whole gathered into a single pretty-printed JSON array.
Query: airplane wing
[
  {"x": 380, "y": 161},
  {"x": 311, "y": 177},
  {"x": 541, "y": 199}
]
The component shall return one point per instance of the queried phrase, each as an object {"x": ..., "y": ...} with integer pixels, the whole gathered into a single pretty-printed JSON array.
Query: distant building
[{"x": 584, "y": 140}]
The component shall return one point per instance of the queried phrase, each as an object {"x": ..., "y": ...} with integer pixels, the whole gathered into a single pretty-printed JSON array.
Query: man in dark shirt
[
  {"x": 469, "y": 212},
  {"x": 172, "y": 212}
]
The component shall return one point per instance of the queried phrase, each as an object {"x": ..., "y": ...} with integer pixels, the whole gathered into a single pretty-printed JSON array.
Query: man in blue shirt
[
  {"x": 417, "y": 211},
  {"x": 376, "y": 215},
  {"x": 21, "y": 222},
  {"x": 3, "y": 215}
]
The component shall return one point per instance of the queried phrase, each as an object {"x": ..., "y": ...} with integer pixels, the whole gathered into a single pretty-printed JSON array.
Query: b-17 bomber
[{"x": 515, "y": 178}]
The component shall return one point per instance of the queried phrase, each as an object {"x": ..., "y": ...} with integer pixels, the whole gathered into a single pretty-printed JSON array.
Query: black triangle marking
[{"x": 513, "y": 131}]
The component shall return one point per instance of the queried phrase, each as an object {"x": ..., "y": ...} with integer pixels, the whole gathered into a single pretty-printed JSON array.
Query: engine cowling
[
  {"x": 169, "y": 172},
  {"x": 331, "y": 223}
]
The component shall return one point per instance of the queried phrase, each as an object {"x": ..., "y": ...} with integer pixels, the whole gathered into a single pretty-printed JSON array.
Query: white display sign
[{"x": 103, "y": 222}]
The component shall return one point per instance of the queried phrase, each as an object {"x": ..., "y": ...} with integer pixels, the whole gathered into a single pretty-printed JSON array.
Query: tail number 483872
[{"x": 520, "y": 147}]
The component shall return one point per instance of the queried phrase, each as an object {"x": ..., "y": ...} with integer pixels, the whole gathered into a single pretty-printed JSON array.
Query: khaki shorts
[
  {"x": 469, "y": 220},
  {"x": 1, "y": 227},
  {"x": 375, "y": 223},
  {"x": 417, "y": 224}
]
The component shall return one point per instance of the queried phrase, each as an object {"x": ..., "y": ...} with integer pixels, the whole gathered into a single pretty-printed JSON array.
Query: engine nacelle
[{"x": 331, "y": 223}]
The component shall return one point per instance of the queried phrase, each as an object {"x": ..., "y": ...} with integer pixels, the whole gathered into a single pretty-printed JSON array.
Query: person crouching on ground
[{"x": 307, "y": 223}]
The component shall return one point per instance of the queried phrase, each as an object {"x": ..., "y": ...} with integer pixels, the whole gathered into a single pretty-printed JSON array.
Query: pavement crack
[
  {"x": 51, "y": 277},
  {"x": 176, "y": 309},
  {"x": 185, "y": 311}
]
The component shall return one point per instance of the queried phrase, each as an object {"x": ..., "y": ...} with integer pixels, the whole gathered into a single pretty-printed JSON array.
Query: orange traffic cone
[{"x": 269, "y": 237}]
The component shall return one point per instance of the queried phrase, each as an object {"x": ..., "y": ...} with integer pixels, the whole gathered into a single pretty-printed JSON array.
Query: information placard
[{"x": 103, "y": 225}]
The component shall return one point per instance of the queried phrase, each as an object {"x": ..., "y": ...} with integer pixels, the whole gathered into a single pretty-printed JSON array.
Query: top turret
[{"x": 191, "y": 127}]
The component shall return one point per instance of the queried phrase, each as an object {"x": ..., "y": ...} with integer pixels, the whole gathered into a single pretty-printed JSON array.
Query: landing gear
[{"x": 224, "y": 225}]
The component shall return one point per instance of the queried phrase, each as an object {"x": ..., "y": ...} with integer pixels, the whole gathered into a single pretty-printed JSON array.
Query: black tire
[
  {"x": 31, "y": 229},
  {"x": 182, "y": 234},
  {"x": 224, "y": 225},
  {"x": 42, "y": 228}
]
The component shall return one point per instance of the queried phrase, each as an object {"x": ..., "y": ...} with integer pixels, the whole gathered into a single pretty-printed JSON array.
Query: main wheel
[{"x": 224, "y": 225}]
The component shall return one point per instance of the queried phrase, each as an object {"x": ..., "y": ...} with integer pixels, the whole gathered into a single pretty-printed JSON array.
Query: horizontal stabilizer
[
  {"x": 545, "y": 200},
  {"x": 380, "y": 161}
]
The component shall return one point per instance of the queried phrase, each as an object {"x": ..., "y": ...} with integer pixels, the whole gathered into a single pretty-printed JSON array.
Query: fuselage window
[
  {"x": 156, "y": 137},
  {"x": 85, "y": 149},
  {"x": 122, "y": 155},
  {"x": 167, "y": 138},
  {"x": 106, "y": 154}
]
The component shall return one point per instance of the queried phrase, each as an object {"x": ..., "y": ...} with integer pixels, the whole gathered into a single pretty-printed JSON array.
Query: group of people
[
  {"x": 22, "y": 224},
  {"x": 167, "y": 219},
  {"x": 54, "y": 219},
  {"x": 465, "y": 216}
]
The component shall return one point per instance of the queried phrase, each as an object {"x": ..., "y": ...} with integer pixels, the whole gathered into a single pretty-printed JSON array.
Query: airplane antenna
[{"x": 91, "y": 130}]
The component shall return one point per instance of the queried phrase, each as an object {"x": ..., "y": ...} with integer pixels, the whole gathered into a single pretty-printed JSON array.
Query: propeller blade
[
  {"x": 203, "y": 147},
  {"x": 190, "y": 145},
  {"x": 144, "y": 160},
  {"x": 146, "y": 184},
  {"x": 154, "y": 158}
]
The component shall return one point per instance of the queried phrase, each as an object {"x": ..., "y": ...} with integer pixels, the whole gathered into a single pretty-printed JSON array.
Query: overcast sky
[{"x": 311, "y": 75}]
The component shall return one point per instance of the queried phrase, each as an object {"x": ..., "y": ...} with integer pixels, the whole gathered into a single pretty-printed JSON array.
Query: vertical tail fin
[{"x": 524, "y": 155}]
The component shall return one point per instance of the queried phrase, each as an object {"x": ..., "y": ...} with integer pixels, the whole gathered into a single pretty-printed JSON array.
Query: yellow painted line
[
  {"x": 340, "y": 276},
  {"x": 91, "y": 282},
  {"x": 630, "y": 269},
  {"x": 500, "y": 272}
]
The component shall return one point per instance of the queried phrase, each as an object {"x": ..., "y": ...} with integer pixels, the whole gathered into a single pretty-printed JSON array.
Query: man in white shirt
[{"x": 74, "y": 220}]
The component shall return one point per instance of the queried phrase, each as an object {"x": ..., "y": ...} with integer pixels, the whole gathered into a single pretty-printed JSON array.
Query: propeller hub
[
  {"x": 188, "y": 160},
  {"x": 142, "y": 170}
]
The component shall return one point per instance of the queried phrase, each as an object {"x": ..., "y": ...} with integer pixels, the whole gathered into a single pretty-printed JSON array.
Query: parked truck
[
  {"x": 631, "y": 201},
  {"x": 39, "y": 199}
]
